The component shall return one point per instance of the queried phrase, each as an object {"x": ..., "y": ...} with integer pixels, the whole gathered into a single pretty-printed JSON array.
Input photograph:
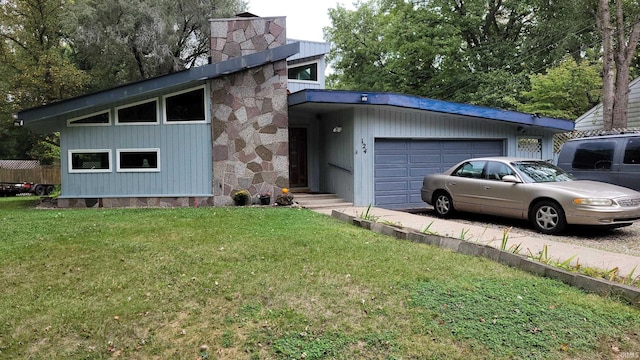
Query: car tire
[
  {"x": 39, "y": 190},
  {"x": 443, "y": 204},
  {"x": 548, "y": 217}
]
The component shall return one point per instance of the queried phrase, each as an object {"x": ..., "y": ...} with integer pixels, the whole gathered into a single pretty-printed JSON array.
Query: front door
[{"x": 298, "y": 157}]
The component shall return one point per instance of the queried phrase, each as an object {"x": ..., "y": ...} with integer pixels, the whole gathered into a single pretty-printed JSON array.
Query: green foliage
[
  {"x": 566, "y": 91},
  {"x": 469, "y": 51},
  {"x": 37, "y": 69},
  {"x": 143, "y": 38}
]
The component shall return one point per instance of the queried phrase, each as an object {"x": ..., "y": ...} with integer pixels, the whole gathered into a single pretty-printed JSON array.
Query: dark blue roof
[
  {"x": 311, "y": 96},
  {"x": 36, "y": 116}
]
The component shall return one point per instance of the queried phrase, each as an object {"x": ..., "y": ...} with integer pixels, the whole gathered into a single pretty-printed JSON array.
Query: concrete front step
[{"x": 320, "y": 201}]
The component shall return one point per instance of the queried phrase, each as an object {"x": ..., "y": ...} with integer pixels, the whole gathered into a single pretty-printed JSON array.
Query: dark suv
[{"x": 610, "y": 158}]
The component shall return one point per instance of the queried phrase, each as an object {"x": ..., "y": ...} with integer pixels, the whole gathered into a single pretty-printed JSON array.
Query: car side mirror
[{"x": 511, "y": 179}]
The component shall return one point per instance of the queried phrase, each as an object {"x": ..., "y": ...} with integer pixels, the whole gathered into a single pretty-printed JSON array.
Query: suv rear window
[{"x": 594, "y": 155}]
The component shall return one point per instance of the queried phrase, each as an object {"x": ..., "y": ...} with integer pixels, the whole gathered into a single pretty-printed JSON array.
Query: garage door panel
[
  {"x": 427, "y": 158},
  {"x": 454, "y": 145},
  {"x": 392, "y": 158},
  {"x": 423, "y": 146},
  {"x": 401, "y": 164},
  {"x": 391, "y": 173},
  {"x": 392, "y": 201},
  {"x": 394, "y": 186}
]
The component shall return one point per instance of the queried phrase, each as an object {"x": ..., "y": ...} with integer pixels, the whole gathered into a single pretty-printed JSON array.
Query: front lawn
[{"x": 262, "y": 282}]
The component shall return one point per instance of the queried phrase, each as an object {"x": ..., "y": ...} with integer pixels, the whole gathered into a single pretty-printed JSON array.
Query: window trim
[
  {"x": 70, "y": 121},
  {"x": 71, "y": 170},
  {"x": 165, "y": 119},
  {"x": 154, "y": 100},
  {"x": 134, "y": 150},
  {"x": 303, "y": 64}
]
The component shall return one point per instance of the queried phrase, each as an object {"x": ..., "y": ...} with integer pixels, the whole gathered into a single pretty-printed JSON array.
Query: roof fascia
[
  {"x": 426, "y": 104},
  {"x": 150, "y": 86}
]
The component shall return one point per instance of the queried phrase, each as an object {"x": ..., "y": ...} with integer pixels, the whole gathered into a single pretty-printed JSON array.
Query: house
[
  {"x": 592, "y": 119},
  {"x": 258, "y": 118}
]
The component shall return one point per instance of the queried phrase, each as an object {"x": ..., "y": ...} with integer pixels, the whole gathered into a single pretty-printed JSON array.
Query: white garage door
[{"x": 401, "y": 164}]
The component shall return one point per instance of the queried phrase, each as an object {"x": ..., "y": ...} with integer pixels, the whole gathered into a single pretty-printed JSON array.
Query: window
[
  {"x": 632, "y": 152},
  {"x": 187, "y": 106},
  {"x": 496, "y": 171},
  {"x": 89, "y": 161},
  {"x": 471, "y": 169},
  {"x": 138, "y": 160},
  {"x": 594, "y": 155},
  {"x": 96, "y": 119},
  {"x": 138, "y": 113},
  {"x": 307, "y": 72}
]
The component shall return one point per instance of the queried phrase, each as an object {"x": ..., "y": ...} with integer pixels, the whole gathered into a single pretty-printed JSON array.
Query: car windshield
[{"x": 541, "y": 171}]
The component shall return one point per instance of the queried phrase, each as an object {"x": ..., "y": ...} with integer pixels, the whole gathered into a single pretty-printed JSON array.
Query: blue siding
[
  {"x": 185, "y": 161},
  {"x": 401, "y": 164}
]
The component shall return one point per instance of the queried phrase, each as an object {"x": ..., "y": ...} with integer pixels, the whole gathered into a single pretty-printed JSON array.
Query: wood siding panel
[
  {"x": 337, "y": 162},
  {"x": 185, "y": 161},
  {"x": 592, "y": 119},
  {"x": 387, "y": 122}
]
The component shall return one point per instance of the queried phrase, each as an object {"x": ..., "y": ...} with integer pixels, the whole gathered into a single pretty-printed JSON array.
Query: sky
[{"x": 305, "y": 18}]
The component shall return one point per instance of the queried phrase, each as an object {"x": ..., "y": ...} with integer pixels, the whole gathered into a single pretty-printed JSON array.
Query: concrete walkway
[{"x": 557, "y": 251}]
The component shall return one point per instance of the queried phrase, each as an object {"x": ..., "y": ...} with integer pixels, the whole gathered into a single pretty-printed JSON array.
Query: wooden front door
[{"x": 298, "y": 157}]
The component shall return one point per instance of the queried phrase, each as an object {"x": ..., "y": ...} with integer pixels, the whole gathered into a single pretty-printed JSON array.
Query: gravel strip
[{"x": 624, "y": 240}]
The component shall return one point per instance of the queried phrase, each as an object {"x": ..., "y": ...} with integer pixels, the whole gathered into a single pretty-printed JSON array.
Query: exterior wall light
[{"x": 337, "y": 129}]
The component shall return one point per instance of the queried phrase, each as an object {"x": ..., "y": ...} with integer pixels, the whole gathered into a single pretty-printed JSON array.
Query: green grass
[{"x": 253, "y": 283}]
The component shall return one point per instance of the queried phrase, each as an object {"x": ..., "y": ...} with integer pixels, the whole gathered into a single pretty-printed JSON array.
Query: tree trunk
[
  {"x": 608, "y": 86},
  {"x": 617, "y": 56},
  {"x": 623, "y": 57}
]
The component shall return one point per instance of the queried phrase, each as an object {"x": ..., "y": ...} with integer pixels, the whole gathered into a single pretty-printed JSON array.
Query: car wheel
[
  {"x": 39, "y": 190},
  {"x": 443, "y": 204},
  {"x": 548, "y": 217}
]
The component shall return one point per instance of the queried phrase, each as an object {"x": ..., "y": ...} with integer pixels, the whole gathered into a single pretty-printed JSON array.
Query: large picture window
[
  {"x": 138, "y": 160},
  {"x": 89, "y": 161},
  {"x": 139, "y": 113},
  {"x": 306, "y": 72},
  {"x": 96, "y": 119},
  {"x": 186, "y": 106}
]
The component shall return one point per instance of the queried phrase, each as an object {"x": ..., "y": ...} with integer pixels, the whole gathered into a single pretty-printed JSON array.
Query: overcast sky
[{"x": 305, "y": 18}]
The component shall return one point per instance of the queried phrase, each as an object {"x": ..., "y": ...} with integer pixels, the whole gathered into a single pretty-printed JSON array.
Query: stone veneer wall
[{"x": 249, "y": 111}]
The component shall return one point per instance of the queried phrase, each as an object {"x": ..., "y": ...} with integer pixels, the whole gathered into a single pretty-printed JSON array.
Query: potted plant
[
  {"x": 265, "y": 198},
  {"x": 285, "y": 199},
  {"x": 241, "y": 197}
]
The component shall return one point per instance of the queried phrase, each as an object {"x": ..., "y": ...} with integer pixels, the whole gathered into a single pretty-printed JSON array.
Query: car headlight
[{"x": 594, "y": 202}]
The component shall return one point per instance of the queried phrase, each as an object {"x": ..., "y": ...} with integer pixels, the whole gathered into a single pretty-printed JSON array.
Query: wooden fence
[{"x": 41, "y": 175}]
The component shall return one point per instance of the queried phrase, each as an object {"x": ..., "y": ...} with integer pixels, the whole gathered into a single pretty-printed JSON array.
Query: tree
[
  {"x": 37, "y": 69},
  {"x": 619, "y": 42},
  {"x": 566, "y": 91},
  {"x": 472, "y": 51},
  {"x": 121, "y": 41}
]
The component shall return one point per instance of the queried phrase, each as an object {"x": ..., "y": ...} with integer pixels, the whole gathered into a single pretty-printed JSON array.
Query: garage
[{"x": 401, "y": 164}]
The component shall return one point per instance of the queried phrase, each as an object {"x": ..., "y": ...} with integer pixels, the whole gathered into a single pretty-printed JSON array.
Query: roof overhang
[
  {"x": 323, "y": 101},
  {"x": 39, "y": 117}
]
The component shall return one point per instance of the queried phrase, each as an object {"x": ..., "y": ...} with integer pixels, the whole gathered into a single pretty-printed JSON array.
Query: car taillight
[{"x": 27, "y": 186}]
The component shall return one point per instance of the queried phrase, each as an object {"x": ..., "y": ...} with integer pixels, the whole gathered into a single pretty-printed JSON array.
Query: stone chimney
[{"x": 249, "y": 111}]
